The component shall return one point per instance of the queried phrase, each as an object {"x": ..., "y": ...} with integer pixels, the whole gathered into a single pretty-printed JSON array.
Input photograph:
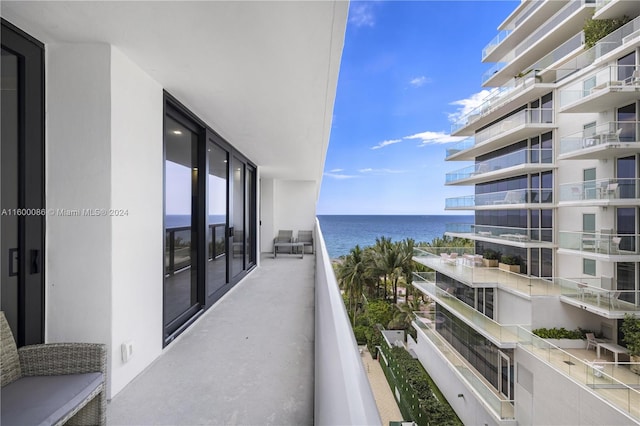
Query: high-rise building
[{"x": 555, "y": 158}]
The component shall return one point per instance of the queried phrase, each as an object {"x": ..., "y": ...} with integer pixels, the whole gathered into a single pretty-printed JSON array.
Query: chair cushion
[
  {"x": 9, "y": 360},
  {"x": 43, "y": 400}
]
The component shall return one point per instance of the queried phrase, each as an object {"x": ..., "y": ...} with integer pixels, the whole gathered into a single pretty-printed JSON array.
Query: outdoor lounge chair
[
  {"x": 306, "y": 238},
  {"x": 591, "y": 340},
  {"x": 284, "y": 236},
  {"x": 449, "y": 258},
  {"x": 52, "y": 383}
]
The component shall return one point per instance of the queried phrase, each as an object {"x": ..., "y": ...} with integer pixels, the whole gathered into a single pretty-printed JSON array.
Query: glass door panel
[
  {"x": 251, "y": 215},
  {"x": 237, "y": 224},
  {"x": 181, "y": 248},
  {"x": 217, "y": 180}
]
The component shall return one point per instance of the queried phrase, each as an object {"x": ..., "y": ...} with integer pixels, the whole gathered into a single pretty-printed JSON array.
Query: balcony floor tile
[{"x": 248, "y": 360}]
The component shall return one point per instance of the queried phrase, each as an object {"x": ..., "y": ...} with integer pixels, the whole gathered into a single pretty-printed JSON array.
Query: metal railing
[
  {"x": 612, "y": 132},
  {"x": 620, "y": 77},
  {"x": 600, "y": 189},
  {"x": 604, "y": 242},
  {"x": 342, "y": 391},
  {"x": 516, "y": 158}
]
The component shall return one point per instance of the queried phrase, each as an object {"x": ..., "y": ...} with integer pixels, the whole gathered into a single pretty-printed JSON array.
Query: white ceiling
[{"x": 262, "y": 74}]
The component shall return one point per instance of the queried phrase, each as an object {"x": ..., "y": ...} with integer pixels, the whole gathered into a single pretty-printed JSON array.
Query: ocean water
[{"x": 343, "y": 232}]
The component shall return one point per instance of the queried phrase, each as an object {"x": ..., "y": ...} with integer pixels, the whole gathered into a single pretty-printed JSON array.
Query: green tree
[
  {"x": 596, "y": 29},
  {"x": 351, "y": 278}
]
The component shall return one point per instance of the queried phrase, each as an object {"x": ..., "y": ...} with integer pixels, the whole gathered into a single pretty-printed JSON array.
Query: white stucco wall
[
  {"x": 78, "y": 176},
  {"x": 294, "y": 205},
  {"x": 137, "y": 237}
]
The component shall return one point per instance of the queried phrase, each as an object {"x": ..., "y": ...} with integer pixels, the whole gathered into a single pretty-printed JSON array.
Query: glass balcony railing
[
  {"x": 493, "y": 70},
  {"x": 495, "y": 42},
  {"x": 601, "y": 189},
  {"x": 460, "y": 146},
  {"x": 517, "y": 158},
  {"x": 178, "y": 246},
  {"x": 612, "y": 132},
  {"x": 425, "y": 324},
  {"x": 610, "y": 388},
  {"x": 605, "y": 242},
  {"x": 589, "y": 291},
  {"x": 618, "y": 77},
  {"x": 505, "y": 233},
  {"x": 521, "y": 118},
  {"x": 500, "y": 198},
  {"x": 602, "y": 3},
  {"x": 465, "y": 269},
  {"x": 605, "y": 45},
  {"x": 500, "y": 334}
]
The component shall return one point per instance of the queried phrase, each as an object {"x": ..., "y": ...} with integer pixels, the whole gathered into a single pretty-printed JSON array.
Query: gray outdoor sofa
[{"x": 51, "y": 384}]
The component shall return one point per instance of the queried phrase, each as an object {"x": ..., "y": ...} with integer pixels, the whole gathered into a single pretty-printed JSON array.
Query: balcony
[
  {"x": 608, "y": 87},
  {"x": 521, "y": 125},
  {"x": 500, "y": 335},
  {"x": 240, "y": 363},
  {"x": 552, "y": 32},
  {"x": 510, "y": 236},
  {"x": 512, "y": 164},
  {"x": 606, "y": 245},
  {"x": 506, "y": 98},
  {"x": 607, "y": 140},
  {"x": 519, "y": 26},
  {"x": 480, "y": 276},
  {"x": 425, "y": 325},
  {"x": 607, "y": 9},
  {"x": 601, "y": 192},
  {"x": 513, "y": 199},
  {"x": 616, "y": 384},
  {"x": 589, "y": 294}
]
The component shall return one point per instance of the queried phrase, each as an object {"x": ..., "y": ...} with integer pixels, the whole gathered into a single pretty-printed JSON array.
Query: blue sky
[{"x": 407, "y": 69}]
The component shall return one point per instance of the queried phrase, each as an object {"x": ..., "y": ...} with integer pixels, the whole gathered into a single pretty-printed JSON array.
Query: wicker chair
[{"x": 28, "y": 372}]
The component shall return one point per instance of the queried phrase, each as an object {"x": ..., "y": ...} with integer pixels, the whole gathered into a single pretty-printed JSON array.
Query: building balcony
[
  {"x": 508, "y": 165},
  {"x": 606, "y": 245},
  {"x": 608, "y": 9},
  {"x": 510, "y": 236},
  {"x": 601, "y": 192},
  {"x": 506, "y": 98},
  {"x": 518, "y": 26},
  {"x": 552, "y": 32},
  {"x": 217, "y": 371},
  {"x": 513, "y": 199},
  {"x": 502, "y": 336},
  {"x": 608, "y": 87},
  {"x": 521, "y": 125},
  {"x": 607, "y": 140},
  {"x": 474, "y": 275},
  {"x": 444, "y": 359},
  {"x": 593, "y": 295}
]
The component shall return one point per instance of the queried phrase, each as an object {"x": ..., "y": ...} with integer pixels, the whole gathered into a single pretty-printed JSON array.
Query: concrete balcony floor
[{"x": 248, "y": 360}]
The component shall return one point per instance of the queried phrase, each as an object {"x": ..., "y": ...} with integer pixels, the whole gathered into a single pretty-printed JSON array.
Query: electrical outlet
[{"x": 127, "y": 350}]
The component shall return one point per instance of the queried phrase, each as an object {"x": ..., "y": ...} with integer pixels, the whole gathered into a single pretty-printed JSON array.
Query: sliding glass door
[{"x": 210, "y": 214}]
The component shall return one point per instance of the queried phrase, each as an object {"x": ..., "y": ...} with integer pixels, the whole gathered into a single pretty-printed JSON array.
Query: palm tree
[{"x": 351, "y": 277}]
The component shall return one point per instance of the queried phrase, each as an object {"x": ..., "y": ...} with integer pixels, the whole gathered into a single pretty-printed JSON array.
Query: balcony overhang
[
  {"x": 518, "y": 206},
  {"x": 515, "y": 134},
  {"x": 604, "y": 98},
  {"x": 502, "y": 173},
  {"x": 613, "y": 258},
  {"x": 617, "y": 202},
  {"x": 605, "y": 313},
  {"x": 502, "y": 241},
  {"x": 556, "y": 36},
  {"x": 262, "y": 74},
  {"x": 602, "y": 151},
  {"x": 616, "y": 9},
  {"x": 518, "y": 97}
]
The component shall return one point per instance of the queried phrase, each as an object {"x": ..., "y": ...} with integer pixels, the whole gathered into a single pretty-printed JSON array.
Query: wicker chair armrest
[{"x": 62, "y": 358}]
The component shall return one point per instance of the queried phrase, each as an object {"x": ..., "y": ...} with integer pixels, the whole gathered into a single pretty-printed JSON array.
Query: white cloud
[
  {"x": 430, "y": 138},
  {"x": 336, "y": 170},
  {"x": 339, "y": 176},
  {"x": 465, "y": 106},
  {"x": 386, "y": 143},
  {"x": 379, "y": 171},
  {"x": 361, "y": 15},
  {"x": 419, "y": 81}
]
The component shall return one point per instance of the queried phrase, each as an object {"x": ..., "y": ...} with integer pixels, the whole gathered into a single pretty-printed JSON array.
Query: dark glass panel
[
  {"x": 216, "y": 218},
  {"x": 626, "y": 280},
  {"x": 626, "y": 220}
]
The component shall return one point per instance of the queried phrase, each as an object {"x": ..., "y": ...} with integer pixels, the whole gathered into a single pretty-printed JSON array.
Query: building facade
[{"x": 555, "y": 195}]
